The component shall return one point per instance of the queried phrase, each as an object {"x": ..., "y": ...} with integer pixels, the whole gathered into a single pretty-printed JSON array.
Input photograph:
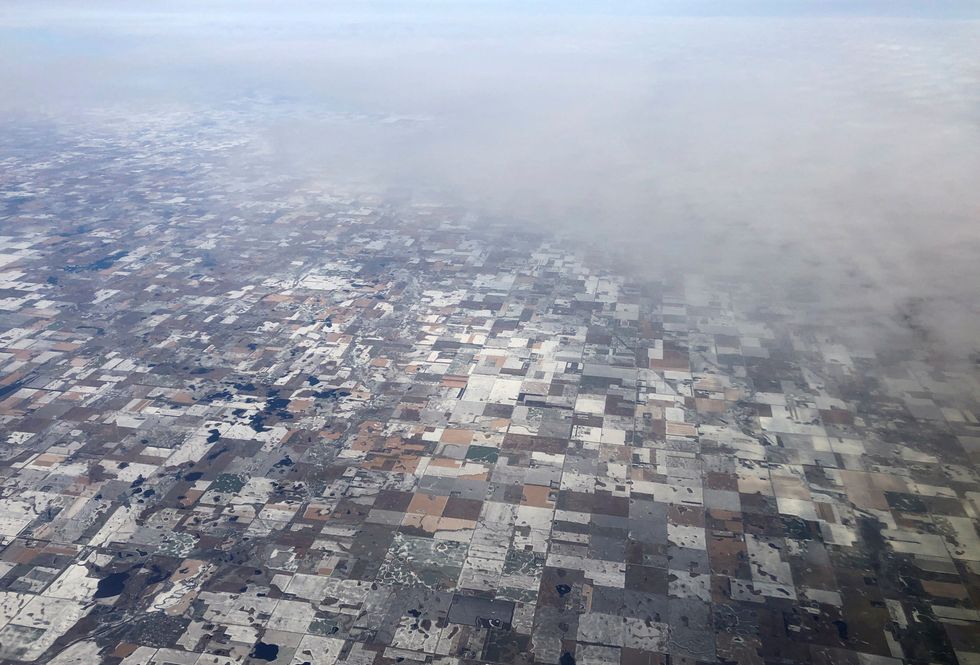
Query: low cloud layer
[{"x": 830, "y": 145}]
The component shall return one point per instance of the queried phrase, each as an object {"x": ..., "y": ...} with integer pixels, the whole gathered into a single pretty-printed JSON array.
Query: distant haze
[{"x": 830, "y": 145}]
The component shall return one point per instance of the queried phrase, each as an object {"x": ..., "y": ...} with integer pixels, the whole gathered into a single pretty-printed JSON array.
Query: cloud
[{"x": 792, "y": 147}]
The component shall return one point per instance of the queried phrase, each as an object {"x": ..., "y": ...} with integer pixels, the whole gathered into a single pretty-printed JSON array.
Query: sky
[{"x": 828, "y": 146}]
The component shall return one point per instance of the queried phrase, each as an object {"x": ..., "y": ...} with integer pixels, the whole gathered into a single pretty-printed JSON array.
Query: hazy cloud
[{"x": 834, "y": 145}]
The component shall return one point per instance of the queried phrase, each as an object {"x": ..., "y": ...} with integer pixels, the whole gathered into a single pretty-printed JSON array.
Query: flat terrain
[{"x": 267, "y": 421}]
